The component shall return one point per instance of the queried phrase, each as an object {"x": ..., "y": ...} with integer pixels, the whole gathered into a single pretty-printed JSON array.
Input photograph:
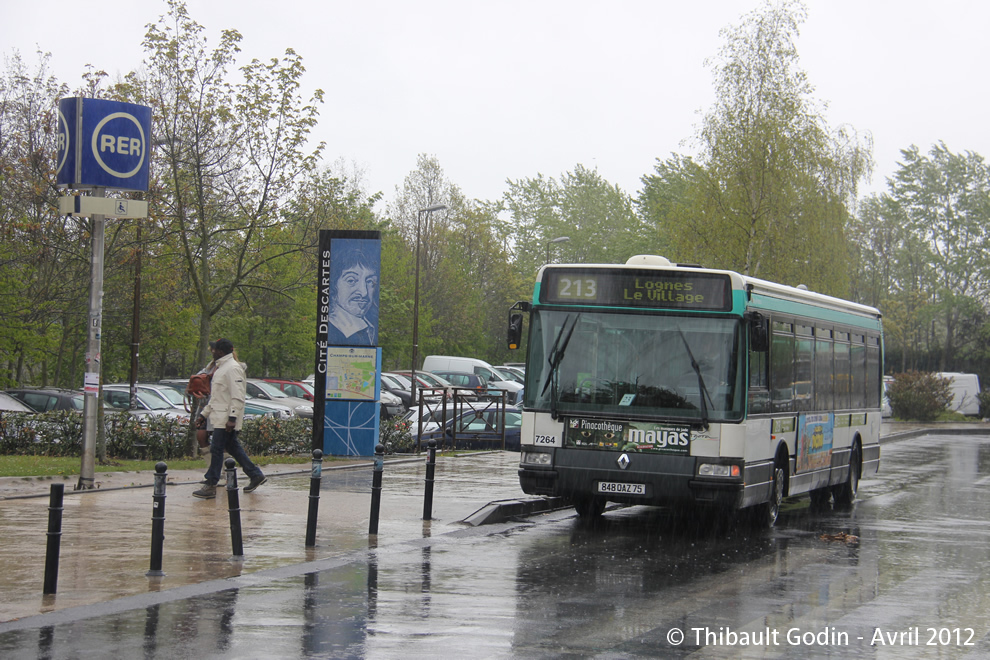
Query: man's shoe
[
  {"x": 207, "y": 492},
  {"x": 255, "y": 482}
]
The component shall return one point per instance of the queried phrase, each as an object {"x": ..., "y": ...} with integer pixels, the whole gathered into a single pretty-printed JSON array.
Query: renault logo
[{"x": 623, "y": 461}]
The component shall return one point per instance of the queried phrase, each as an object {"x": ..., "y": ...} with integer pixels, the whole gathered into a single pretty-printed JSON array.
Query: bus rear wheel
[{"x": 845, "y": 493}]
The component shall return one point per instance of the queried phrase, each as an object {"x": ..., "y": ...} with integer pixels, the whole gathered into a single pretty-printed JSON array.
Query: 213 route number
[{"x": 583, "y": 288}]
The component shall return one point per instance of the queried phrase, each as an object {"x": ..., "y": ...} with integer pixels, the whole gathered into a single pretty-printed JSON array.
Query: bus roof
[{"x": 762, "y": 294}]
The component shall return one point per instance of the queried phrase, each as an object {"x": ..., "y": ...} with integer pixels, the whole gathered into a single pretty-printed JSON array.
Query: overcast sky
[{"x": 509, "y": 89}]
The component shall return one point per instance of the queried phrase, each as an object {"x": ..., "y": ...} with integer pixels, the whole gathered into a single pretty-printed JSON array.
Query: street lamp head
[
  {"x": 561, "y": 239},
  {"x": 435, "y": 207}
]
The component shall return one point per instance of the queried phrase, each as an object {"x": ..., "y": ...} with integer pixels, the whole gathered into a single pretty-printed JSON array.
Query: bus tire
[
  {"x": 845, "y": 492},
  {"x": 589, "y": 508},
  {"x": 765, "y": 514}
]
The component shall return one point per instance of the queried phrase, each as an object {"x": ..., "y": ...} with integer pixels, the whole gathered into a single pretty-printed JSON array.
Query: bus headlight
[
  {"x": 717, "y": 470},
  {"x": 537, "y": 458}
]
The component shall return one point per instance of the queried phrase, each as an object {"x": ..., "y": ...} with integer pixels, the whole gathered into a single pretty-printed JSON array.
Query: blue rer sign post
[{"x": 101, "y": 144}]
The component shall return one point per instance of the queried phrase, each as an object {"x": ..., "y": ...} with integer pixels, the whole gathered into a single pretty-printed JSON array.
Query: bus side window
[
  {"x": 759, "y": 393},
  {"x": 782, "y": 371}
]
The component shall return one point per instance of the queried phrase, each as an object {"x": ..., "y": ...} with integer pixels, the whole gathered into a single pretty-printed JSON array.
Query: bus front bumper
[{"x": 660, "y": 489}]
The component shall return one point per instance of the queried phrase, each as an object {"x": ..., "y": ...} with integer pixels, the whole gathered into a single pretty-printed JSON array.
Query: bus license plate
[{"x": 619, "y": 488}]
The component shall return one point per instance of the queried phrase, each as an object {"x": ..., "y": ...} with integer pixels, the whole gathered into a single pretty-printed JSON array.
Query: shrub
[
  {"x": 984, "y": 399},
  {"x": 267, "y": 436},
  {"x": 920, "y": 396},
  {"x": 394, "y": 435},
  {"x": 59, "y": 433}
]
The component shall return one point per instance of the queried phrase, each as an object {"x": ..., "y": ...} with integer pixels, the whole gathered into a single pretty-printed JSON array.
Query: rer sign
[{"x": 103, "y": 144}]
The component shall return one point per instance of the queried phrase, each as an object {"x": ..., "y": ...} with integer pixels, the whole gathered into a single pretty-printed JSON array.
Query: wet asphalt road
[{"x": 914, "y": 582}]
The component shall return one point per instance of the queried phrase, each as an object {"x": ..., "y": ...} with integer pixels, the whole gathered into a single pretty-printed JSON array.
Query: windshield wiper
[
  {"x": 555, "y": 358},
  {"x": 703, "y": 390}
]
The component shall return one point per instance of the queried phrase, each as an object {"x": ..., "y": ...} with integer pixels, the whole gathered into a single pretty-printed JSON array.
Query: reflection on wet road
[{"x": 906, "y": 573}]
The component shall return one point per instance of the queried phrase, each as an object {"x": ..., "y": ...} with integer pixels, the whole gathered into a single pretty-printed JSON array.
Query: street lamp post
[
  {"x": 559, "y": 239},
  {"x": 415, "y": 346}
]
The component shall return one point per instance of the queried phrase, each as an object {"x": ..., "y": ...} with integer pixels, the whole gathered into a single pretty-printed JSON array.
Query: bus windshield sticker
[
  {"x": 627, "y": 436},
  {"x": 815, "y": 443}
]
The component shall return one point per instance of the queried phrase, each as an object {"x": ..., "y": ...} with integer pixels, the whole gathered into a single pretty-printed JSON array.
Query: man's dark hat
[{"x": 225, "y": 346}]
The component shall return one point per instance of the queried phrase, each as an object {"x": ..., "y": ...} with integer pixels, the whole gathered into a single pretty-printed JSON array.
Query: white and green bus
[{"x": 662, "y": 384}]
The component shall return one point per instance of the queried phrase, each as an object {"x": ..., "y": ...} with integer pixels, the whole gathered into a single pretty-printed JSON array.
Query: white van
[
  {"x": 475, "y": 366},
  {"x": 965, "y": 388}
]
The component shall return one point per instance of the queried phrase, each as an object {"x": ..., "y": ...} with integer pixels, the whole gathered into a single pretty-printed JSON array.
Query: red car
[{"x": 293, "y": 388}]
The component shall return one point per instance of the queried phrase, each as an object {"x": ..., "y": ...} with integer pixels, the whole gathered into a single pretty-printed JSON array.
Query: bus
[{"x": 674, "y": 385}]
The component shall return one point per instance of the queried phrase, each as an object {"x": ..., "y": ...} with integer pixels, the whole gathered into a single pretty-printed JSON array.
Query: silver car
[{"x": 259, "y": 389}]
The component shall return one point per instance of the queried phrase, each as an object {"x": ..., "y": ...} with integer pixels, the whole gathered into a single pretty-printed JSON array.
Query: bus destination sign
[{"x": 637, "y": 288}]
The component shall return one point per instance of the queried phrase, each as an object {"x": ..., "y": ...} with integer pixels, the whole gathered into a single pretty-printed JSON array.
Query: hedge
[{"x": 59, "y": 433}]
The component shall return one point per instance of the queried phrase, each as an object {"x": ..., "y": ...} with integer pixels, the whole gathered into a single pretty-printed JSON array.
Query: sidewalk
[{"x": 106, "y": 532}]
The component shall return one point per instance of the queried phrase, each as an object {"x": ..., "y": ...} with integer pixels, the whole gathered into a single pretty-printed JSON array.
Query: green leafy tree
[
  {"x": 231, "y": 156},
  {"x": 943, "y": 199},
  {"x": 770, "y": 191},
  {"x": 596, "y": 216},
  {"x": 44, "y": 257}
]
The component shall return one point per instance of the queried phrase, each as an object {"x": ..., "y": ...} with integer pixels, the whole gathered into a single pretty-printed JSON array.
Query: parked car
[
  {"x": 467, "y": 380},
  {"x": 430, "y": 381},
  {"x": 252, "y": 406},
  {"x": 294, "y": 388},
  {"x": 44, "y": 399},
  {"x": 175, "y": 396},
  {"x": 118, "y": 397},
  {"x": 885, "y": 409},
  {"x": 10, "y": 404},
  {"x": 267, "y": 392},
  {"x": 401, "y": 386},
  {"x": 440, "y": 363},
  {"x": 391, "y": 405},
  {"x": 519, "y": 372},
  {"x": 478, "y": 426}
]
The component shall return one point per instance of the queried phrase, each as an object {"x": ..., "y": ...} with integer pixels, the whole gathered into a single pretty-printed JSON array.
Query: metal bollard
[
  {"x": 234, "y": 508},
  {"x": 314, "y": 497},
  {"x": 158, "y": 521},
  {"x": 54, "y": 537},
  {"x": 431, "y": 466},
  {"x": 376, "y": 487}
]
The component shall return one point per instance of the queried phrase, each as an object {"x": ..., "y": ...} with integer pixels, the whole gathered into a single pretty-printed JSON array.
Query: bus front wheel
[
  {"x": 589, "y": 508},
  {"x": 765, "y": 515}
]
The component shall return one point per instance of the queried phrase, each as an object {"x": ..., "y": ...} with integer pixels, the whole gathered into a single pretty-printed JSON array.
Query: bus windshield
[{"x": 640, "y": 366}]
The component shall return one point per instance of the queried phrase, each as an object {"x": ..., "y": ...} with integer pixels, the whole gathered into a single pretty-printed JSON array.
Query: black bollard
[
  {"x": 54, "y": 537},
  {"x": 376, "y": 487},
  {"x": 158, "y": 521},
  {"x": 234, "y": 509},
  {"x": 431, "y": 466},
  {"x": 314, "y": 497}
]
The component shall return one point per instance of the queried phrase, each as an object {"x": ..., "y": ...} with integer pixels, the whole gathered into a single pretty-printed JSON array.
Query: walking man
[{"x": 226, "y": 414}]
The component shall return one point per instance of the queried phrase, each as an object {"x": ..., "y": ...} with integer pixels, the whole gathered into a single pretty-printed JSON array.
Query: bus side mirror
[
  {"x": 514, "y": 334},
  {"x": 759, "y": 337},
  {"x": 515, "y": 330}
]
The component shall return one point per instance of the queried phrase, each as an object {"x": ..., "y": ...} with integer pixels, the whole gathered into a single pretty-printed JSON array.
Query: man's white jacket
[{"x": 227, "y": 393}]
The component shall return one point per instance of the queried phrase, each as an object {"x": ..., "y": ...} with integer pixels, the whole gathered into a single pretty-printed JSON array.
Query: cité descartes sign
[{"x": 103, "y": 144}]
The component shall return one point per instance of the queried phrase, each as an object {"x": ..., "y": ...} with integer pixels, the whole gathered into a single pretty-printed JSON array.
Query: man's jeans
[{"x": 222, "y": 441}]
